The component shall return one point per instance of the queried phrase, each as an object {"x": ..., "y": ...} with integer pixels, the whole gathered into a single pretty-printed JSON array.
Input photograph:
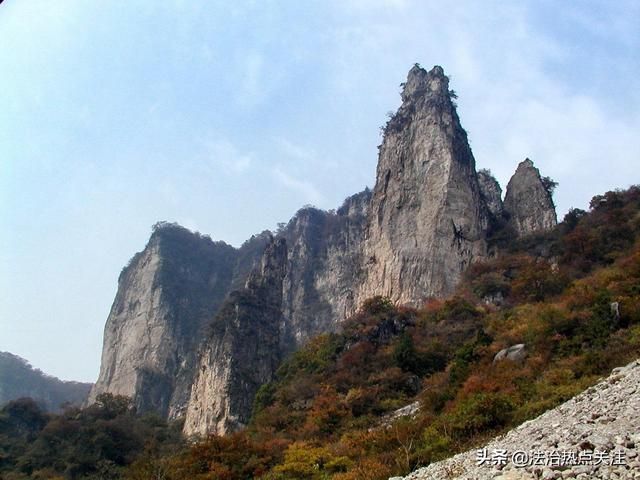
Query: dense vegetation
[
  {"x": 19, "y": 379},
  {"x": 94, "y": 443},
  {"x": 572, "y": 296}
]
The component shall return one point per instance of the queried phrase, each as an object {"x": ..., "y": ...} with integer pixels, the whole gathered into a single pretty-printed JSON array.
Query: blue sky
[{"x": 228, "y": 116}]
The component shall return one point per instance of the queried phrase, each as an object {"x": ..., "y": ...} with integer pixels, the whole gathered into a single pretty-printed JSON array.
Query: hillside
[
  {"x": 570, "y": 296},
  {"x": 593, "y": 435},
  {"x": 19, "y": 379}
]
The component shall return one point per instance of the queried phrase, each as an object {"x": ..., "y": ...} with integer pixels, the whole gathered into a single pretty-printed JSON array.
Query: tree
[
  {"x": 404, "y": 355},
  {"x": 549, "y": 185}
]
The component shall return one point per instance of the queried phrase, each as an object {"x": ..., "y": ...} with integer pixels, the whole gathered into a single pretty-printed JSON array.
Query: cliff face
[
  {"x": 411, "y": 238},
  {"x": 242, "y": 351},
  {"x": 324, "y": 258},
  {"x": 165, "y": 298},
  {"x": 427, "y": 219},
  {"x": 303, "y": 286},
  {"x": 491, "y": 193},
  {"x": 528, "y": 201}
]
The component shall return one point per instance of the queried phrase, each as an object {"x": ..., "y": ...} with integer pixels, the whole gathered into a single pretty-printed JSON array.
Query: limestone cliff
[
  {"x": 165, "y": 298},
  {"x": 242, "y": 351},
  {"x": 304, "y": 286},
  {"x": 325, "y": 257},
  {"x": 427, "y": 219},
  {"x": 528, "y": 201}
]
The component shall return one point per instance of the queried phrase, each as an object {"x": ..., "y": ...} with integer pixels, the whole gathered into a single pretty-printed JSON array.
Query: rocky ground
[{"x": 595, "y": 435}]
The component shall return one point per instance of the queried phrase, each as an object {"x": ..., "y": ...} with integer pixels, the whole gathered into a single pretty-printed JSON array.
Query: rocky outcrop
[
  {"x": 242, "y": 351},
  {"x": 528, "y": 201},
  {"x": 303, "y": 287},
  {"x": 166, "y": 296},
  {"x": 515, "y": 353},
  {"x": 491, "y": 193},
  {"x": 592, "y": 436},
  {"x": 324, "y": 268},
  {"x": 427, "y": 220},
  {"x": 411, "y": 238}
]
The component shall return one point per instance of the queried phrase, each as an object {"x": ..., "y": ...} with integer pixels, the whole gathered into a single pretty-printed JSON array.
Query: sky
[{"x": 227, "y": 117}]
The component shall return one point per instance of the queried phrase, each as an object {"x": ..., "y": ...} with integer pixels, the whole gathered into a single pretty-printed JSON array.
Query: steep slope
[
  {"x": 324, "y": 258},
  {"x": 165, "y": 298},
  {"x": 427, "y": 220},
  {"x": 19, "y": 379},
  {"x": 304, "y": 286},
  {"x": 242, "y": 351},
  {"x": 491, "y": 193},
  {"x": 528, "y": 201},
  {"x": 599, "y": 427}
]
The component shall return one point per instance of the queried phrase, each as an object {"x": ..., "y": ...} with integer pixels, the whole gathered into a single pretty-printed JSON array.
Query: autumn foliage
[{"x": 572, "y": 296}]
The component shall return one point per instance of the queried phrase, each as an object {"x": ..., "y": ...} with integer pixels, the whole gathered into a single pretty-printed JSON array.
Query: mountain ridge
[
  {"x": 18, "y": 378},
  {"x": 410, "y": 238}
]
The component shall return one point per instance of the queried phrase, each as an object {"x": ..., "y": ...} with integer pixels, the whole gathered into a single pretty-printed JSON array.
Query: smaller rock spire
[
  {"x": 528, "y": 201},
  {"x": 491, "y": 192}
]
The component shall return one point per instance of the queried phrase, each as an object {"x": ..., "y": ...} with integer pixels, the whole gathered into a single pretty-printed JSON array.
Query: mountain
[
  {"x": 528, "y": 200},
  {"x": 178, "y": 337},
  {"x": 396, "y": 388},
  {"x": 166, "y": 297},
  {"x": 427, "y": 219},
  {"x": 242, "y": 351},
  {"x": 19, "y": 379}
]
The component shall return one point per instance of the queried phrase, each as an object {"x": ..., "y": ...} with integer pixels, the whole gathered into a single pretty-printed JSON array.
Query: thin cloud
[
  {"x": 304, "y": 188},
  {"x": 295, "y": 151},
  {"x": 223, "y": 155}
]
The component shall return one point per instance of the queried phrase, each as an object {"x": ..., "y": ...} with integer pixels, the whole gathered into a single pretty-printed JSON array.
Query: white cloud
[
  {"x": 305, "y": 188},
  {"x": 295, "y": 151},
  {"x": 511, "y": 67},
  {"x": 251, "y": 85},
  {"x": 222, "y": 154}
]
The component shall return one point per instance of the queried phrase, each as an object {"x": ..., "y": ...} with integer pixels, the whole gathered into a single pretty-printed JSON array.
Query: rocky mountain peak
[
  {"x": 421, "y": 83},
  {"x": 528, "y": 200},
  {"x": 271, "y": 265},
  {"x": 427, "y": 218}
]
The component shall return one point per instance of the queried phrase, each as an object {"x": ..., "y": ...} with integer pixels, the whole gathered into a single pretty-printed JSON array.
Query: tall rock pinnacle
[
  {"x": 528, "y": 201},
  {"x": 427, "y": 219}
]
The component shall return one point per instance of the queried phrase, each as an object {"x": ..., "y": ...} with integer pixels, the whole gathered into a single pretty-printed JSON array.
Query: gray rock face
[
  {"x": 166, "y": 296},
  {"x": 528, "y": 202},
  {"x": 324, "y": 268},
  {"x": 427, "y": 220},
  {"x": 411, "y": 238},
  {"x": 491, "y": 192},
  {"x": 515, "y": 353},
  {"x": 242, "y": 351},
  {"x": 312, "y": 271}
]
